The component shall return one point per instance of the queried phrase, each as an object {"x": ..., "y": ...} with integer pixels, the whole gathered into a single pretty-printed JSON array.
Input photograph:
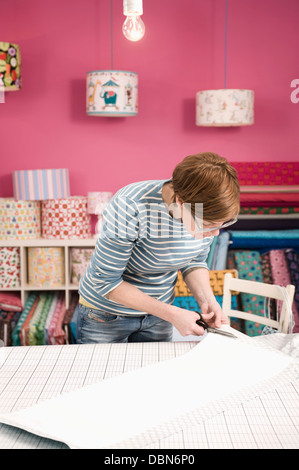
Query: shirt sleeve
[
  {"x": 200, "y": 260},
  {"x": 114, "y": 245}
]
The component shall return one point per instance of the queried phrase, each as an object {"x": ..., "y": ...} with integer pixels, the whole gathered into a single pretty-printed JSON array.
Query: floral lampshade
[
  {"x": 10, "y": 71},
  {"x": 112, "y": 93},
  {"x": 224, "y": 108}
]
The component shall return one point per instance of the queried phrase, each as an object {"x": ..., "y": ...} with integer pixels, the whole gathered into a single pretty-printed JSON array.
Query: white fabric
[{"x": 110, "y": 412}]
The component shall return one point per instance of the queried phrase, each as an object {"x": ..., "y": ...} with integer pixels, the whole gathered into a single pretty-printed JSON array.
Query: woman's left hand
[{"x": 213, "y": 314}]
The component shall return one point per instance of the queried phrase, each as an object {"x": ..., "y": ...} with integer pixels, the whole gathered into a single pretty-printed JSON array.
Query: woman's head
[{"x": 208, "y": 179}]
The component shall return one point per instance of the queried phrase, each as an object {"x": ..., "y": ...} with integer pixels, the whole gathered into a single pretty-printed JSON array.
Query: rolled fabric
[
  {"x": 269, "y": 199},
  {"x": 36, "y": 185},
  {"x": 216, "y": 281},
  {"x": 268, "y": 279},
  {"x": 221, "y": 258},
  {"x": 281, "y": 276},
  {"x": 189, "y": 303},
  {"x": 56, "y": 300},
  {"x": 212, "y": 252},
  {"x": 39, "y": 318},
  {"x": 46, "y": 266},
  {"x": 249, "y": 267},
  {"x": 267, "y": 210},
  {"x": 29, "y": 307},
  {"x": 8, "y": 321},
  {"x": 66, "y": 218},
  {"x": 19, "y": 220},
  {"x": 264, "y": 173},
  {"x": 264, "y": 238},
  {"x": 293, "y": 264},
  {"x": 69, "y": 338},
  {"x": 56, "y": 334},
  {"x": 9, "y": 267}
]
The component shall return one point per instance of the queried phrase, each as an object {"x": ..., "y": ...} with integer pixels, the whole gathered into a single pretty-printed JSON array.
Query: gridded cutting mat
[{"x": 32, "y": 374}]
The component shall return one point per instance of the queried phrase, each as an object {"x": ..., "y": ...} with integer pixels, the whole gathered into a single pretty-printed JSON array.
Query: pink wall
[{"x": 45, "y": 124}]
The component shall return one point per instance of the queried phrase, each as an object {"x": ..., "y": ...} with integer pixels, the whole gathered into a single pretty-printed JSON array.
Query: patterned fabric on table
[
  {"x": 249, "y": 267},
  {"x": 281, "y": 277}
]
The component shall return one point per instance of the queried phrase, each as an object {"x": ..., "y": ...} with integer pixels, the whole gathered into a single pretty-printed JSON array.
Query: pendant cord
[
  {"x": 111, "y": 31},
  {"x": 225, "y": 42}
]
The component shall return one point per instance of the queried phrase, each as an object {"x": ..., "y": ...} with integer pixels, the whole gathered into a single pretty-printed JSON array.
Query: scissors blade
[{"x": 221, "y": 332}]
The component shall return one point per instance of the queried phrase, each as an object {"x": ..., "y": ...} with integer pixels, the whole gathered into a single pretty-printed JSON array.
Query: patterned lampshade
[
  {"x": 10, "y": 71},
  {"x": 112, "y": 93},
  {"x": 224, "y": 108}
]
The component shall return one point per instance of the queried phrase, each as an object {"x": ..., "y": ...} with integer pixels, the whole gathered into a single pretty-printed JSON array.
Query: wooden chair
[{"x": 285, "y": 294}]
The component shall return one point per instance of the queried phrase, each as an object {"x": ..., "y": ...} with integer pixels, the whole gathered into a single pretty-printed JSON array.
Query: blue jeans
[{"x": 96, "y": 326}]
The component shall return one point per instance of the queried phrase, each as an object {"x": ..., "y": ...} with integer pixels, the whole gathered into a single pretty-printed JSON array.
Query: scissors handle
[{"x": 202, "y": 322}]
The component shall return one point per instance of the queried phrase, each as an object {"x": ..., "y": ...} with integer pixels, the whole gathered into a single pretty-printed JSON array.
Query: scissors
[{"x": 206, "y": 326}]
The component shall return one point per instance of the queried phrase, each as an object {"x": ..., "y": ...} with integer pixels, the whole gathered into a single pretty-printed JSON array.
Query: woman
[{"x": 151, "y": 230}]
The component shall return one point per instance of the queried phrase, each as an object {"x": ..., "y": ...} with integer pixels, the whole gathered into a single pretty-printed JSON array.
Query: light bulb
[{"x": 133, "y": 28}]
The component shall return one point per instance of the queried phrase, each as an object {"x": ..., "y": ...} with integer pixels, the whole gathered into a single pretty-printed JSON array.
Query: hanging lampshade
[
  {"x": 112, "y": 93},
  {"x": 223, "y": 108},
  {"x": 10, "y": 71}
]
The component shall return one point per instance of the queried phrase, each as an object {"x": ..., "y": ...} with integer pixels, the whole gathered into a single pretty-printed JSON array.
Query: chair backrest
[{"x": 270, "y": 291}]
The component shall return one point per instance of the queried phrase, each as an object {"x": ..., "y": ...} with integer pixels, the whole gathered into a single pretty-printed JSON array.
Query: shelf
[
  {"x": 268, "y": 216},
  {"x": 44, "y": 242},
  {"x": 67, "y": 244}
]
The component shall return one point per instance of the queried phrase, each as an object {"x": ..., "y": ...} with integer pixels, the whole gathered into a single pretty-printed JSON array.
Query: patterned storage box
[
  {"x": 80, "y": 258},
  {"x": 9, "y": 267},
  {"x": 66, "y": 218},
  {"x": 46, "y": 267},
  {"x": 19, "y": 220}
]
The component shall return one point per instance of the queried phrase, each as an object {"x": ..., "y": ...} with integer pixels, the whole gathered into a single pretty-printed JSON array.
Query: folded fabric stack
[
  {"x": 10, "y": 311},
  {"x": 44, "y": 320},
  {"x": 268, "y": 187}
]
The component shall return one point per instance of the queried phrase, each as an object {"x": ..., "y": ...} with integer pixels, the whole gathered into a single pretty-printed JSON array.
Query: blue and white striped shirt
[{"x": 142, "y": 244}]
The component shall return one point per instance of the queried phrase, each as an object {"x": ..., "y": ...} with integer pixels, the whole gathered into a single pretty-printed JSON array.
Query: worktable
[{"x": 35, "y": 373}]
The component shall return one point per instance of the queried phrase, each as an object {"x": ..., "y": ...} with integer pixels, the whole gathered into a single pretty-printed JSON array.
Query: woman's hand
[
  {"x": 185, "y": 322},
  {"x": 213, "y": 314}
]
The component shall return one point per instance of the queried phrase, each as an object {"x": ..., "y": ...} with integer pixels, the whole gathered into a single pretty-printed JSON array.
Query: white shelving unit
[{"x": 26, "y": 288}]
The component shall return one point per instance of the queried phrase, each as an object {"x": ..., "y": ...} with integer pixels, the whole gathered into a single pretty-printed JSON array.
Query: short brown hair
[{"x": 209, "y": 179}]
